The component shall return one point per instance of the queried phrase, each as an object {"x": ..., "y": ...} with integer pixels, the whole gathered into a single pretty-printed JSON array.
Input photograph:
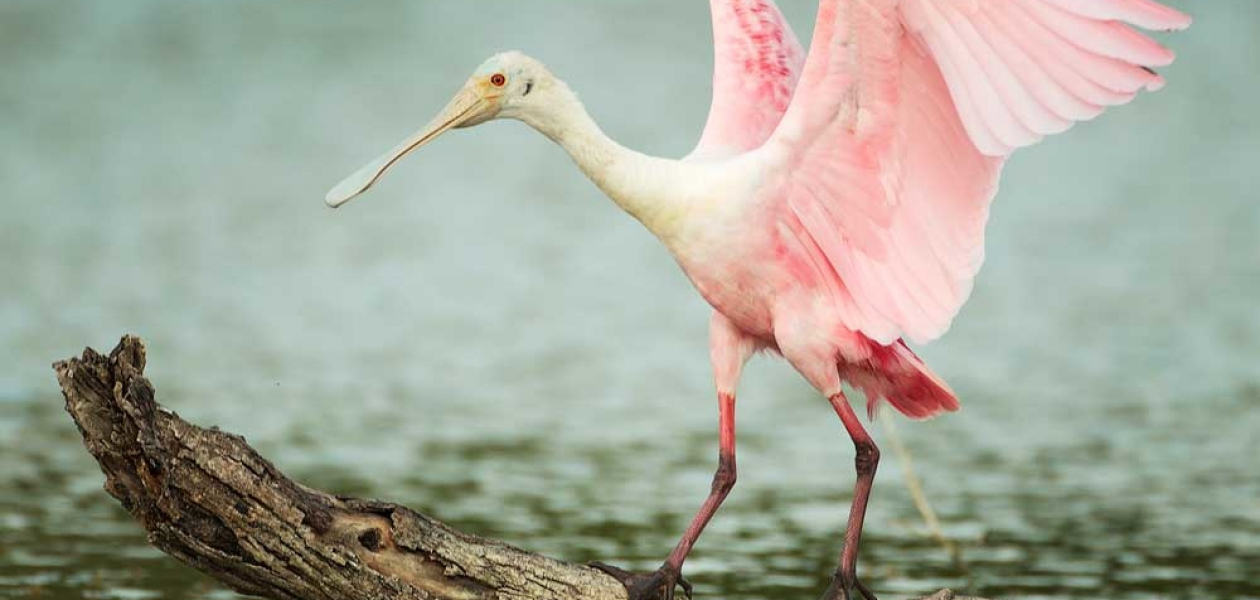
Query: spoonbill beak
[{"x": 474, "y": 104}]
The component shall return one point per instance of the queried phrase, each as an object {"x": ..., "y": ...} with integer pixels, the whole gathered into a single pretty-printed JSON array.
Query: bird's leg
[
  {"x": 729, "y": 350},
  {"x": 660, "y": 584},
  {"x": 723, "y": 481},
  {"x": 867, "y": 460}
]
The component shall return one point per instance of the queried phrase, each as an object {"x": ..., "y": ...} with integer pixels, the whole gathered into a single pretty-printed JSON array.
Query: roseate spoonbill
[{"x": 836, "y": 203}]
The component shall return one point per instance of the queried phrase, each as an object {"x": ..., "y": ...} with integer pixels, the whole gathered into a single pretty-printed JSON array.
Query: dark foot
[
  {"x": 840, "y": 590},
  {"x": 657, "y": 585}
]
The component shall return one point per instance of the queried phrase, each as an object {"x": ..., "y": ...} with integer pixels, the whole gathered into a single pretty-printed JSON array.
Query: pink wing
[
  {"x": 891, "y": 151},
  {"x": 757, "y": 62}
]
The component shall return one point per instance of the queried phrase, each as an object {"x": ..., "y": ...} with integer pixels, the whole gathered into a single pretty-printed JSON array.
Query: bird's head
[{"x": 508, "y": 85}]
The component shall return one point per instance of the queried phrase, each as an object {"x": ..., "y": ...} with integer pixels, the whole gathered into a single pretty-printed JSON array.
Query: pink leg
[
  {"x": 729, "y": 349},
  {"x": 723, "y": 481},
  {"x": 660, "y": 584},
  {"x": 866, "y": 462}
]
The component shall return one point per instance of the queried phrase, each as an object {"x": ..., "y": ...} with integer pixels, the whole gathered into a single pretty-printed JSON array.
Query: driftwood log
[{"x": 208, "y": 499}]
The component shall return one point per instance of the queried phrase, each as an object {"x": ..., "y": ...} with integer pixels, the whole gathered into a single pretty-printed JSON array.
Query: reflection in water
[{"x": 487, "y": 340}]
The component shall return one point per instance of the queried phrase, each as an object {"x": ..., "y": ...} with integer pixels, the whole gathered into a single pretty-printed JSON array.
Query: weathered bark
[{"x": 207, "y": 498}]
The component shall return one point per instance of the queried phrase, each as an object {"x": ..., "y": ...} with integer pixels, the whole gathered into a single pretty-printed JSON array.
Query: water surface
[{"x": 486, "y": 338}]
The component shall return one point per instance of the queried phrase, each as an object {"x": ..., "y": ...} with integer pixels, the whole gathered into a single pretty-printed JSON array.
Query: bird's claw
[{"x": 657, "y": 585}]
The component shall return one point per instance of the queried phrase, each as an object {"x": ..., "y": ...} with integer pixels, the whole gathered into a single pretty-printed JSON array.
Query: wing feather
[
  {"x": 889, "y": 156},
  {"x": 1019, "y": 70},
  {"x": 757, "y": 62}
]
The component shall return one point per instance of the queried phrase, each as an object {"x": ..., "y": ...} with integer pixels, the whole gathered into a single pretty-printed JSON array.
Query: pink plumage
[
  {"x": 759, "y": 64},
  {"x": 888, "y": 158},
  {"x": 880, "y": 175},
  {"x": 836, "y": 204}
]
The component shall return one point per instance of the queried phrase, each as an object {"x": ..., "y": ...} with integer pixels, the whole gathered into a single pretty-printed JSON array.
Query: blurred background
[{"x": 487, "y": 338}]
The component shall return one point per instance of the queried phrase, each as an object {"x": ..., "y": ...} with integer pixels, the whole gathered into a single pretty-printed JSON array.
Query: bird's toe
[
  {"x": 843, "y": 588},
  {"x": 657, "y": 585}
]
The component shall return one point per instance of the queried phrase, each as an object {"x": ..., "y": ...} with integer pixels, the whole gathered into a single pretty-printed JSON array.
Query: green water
[{"x": 163, "y": 167}]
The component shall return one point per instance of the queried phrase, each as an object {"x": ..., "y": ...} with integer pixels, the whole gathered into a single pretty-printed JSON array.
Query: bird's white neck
[{"x": 638, "y": 183}]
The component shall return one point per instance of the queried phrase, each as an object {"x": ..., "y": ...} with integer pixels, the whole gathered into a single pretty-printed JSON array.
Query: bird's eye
[{"x": 498, "y": 80}]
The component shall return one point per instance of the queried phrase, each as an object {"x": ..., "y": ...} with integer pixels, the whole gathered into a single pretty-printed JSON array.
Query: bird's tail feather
[{"x": 896, "y": 375}]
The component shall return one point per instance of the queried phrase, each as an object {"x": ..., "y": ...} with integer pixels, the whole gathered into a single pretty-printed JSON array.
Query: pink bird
[{"x": 836, "y": 203}]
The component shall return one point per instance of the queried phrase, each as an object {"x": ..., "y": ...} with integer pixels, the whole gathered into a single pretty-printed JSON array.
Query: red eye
[{"x": 498, "y": 80}]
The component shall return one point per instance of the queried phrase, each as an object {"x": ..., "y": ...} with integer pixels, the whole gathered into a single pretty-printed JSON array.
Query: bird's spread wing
[
  {"x": 757, "y": 62},
  {"x": 889, "y": 156},
  {"x": 1021, "y": 69}
]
